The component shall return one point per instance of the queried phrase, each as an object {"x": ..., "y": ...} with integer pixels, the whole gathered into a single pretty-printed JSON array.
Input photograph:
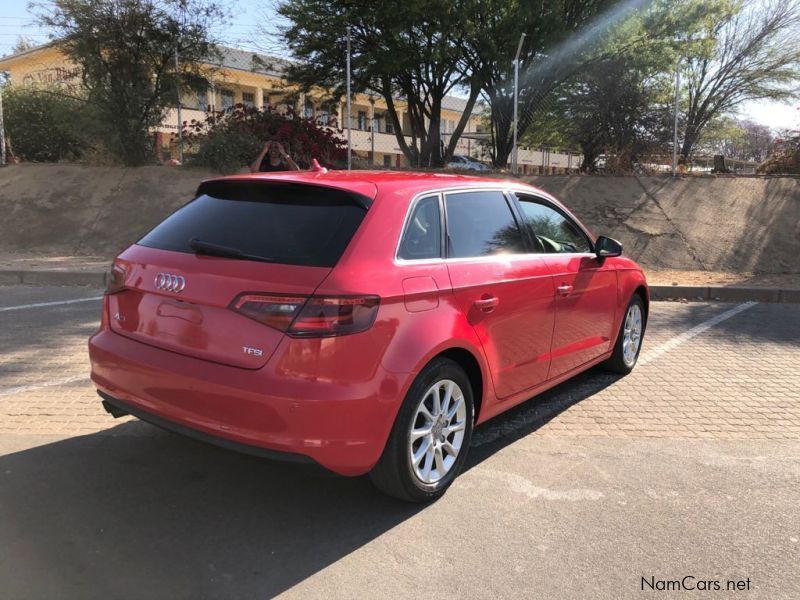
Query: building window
[
  {"x": 376, "y": 123},
  {"x": 326, "y": 115},
  {"x": 387, "y": 160},
  {"x": 362, "y": 120},
  {"x": 249, "y": 99},
  {"x": 389, "y": 127},
  {"x": 227, "y": 99},
  {"x": 202, "y": 101},
  {"x": 309, "y": 110}
]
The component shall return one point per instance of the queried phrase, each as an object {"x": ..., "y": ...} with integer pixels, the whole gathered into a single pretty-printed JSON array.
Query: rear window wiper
[{"x": 212, "y": 249}]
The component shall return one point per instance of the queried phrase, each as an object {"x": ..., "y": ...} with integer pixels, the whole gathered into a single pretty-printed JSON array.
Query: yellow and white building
[{"x": 240, "y": 76}]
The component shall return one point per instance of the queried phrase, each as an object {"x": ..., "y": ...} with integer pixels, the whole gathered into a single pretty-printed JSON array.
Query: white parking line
[
  {"x": 21, "y": 389},
  {"x": 55, "y": 303},
  {"x": 676, "y": 341}
]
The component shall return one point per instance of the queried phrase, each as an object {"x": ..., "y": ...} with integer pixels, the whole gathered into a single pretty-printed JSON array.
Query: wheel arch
[
  {"x": 642, "y": 292},
  {"x": 467, "y": 361}
]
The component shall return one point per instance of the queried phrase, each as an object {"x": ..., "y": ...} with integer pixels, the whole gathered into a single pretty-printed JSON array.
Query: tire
[
  {"x": 397, "y": 473},
  {"x": 624, "y": 358}
]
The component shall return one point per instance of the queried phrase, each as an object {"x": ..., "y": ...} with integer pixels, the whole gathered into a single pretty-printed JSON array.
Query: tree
[
  {"x": 736, "y": 138},
  {"x": 619, "y": 102},
  {"x": 751, "y": 53},
  {"x": 617, "y": 109},
  {"x": 561, "y": 37},
  {"x": 126, "y": 52},
  {"x": 22, "y": 44},
  {"x": 408, "y": 50}
]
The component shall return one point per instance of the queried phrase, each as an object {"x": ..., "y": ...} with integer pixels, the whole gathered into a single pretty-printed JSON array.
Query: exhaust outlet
[{"x": 114, "y": 411}]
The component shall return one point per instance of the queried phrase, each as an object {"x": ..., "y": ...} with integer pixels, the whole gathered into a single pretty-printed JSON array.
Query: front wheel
[
  {"x": 430, "y": 438},
  {"x": 629, "y": 339}
]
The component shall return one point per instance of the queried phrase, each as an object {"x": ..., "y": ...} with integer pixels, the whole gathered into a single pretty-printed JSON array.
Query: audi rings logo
[{"x": 170, "y": 283}]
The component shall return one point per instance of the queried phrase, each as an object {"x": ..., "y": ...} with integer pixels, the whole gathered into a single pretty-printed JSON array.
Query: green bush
[
  {"x": 45, "y": 125},
  {"x": 227, "y": 150}
]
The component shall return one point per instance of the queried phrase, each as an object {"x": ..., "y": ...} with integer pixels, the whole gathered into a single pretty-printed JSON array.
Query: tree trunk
[
  {"x": 588, "y": 163},
  {"x": 719, "y": 164},
  {"x": 475, "y": 89},
  {"x": 689, "y": 140},
  {"x": 501, "y": 120}
]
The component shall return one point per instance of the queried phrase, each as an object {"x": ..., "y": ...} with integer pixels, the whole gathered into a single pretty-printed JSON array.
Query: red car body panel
[{"x": 335, "y": 399}]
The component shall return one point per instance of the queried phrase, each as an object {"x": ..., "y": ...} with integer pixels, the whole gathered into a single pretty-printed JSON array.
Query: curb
[
  {"x": 723, "y": 294},
  {"x": 52, "y": 277}
]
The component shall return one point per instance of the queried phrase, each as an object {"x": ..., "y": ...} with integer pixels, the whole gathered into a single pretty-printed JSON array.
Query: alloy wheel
[
  {"x": 437, "y": 431},
  {"x": 632, "y": 334}
]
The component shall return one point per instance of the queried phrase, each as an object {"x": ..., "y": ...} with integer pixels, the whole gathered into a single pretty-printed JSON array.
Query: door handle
[
  {"x": 564, "y": 289},
  {"x": 486, "y": 303}
]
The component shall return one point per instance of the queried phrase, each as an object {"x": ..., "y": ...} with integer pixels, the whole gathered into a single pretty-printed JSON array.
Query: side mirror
[{"x": 606, "y": 247}]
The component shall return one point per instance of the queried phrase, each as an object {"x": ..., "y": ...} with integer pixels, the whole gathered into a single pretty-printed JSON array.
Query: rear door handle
[
  {"x": 486, "y": 303},
  {"x": 564, "y": 289}
]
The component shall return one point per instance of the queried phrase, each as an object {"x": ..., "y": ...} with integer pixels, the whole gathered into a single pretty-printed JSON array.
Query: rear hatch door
[{"x": 180, "y": 281}]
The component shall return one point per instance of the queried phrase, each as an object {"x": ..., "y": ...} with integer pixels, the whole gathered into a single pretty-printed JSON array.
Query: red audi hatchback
[{"x": 362, "y": 320}]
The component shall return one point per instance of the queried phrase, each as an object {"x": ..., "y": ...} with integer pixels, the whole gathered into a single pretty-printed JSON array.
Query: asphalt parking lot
[{"x": 687, "y": 470}]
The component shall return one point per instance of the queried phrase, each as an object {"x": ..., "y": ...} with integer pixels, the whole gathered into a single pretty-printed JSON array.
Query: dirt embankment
[
  {"x": 71, "y": 210},
  {"x": 696, "y": 224}
]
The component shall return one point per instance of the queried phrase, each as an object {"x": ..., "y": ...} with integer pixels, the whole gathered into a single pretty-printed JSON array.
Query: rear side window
[
  {"x": 480, "y": 224},
  {"x": 288, "y": 224},
  {"x": 422, "y": 237}
]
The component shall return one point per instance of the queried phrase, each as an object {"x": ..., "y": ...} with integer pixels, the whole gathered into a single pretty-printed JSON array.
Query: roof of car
[{"x": 369, "y": 183}]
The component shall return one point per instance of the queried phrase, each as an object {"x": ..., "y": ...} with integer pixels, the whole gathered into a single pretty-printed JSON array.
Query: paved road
[{"x": 688, "y": 467}]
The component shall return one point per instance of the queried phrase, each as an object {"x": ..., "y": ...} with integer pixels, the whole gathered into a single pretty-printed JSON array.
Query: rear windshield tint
[{"x": 288, "y": 224}]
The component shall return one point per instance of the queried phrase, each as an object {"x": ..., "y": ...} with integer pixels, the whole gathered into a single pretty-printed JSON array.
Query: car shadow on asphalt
[
  {"x": 120, "y": 514},
  {"x": 528, "y": 417}
]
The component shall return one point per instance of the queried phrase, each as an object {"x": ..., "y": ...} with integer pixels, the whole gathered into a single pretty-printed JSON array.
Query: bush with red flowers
[
  {"x": 785, "y": 157},
  {"x": 230, "y": 140}
]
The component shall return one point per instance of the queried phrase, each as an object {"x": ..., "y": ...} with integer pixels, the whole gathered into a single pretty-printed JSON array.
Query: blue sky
[{"x": 242, "y": 30}]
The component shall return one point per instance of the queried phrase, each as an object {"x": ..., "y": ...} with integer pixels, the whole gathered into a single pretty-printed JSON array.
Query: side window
[
  {"x": 480, "y": 224},
  {"x": 553, "y": 231},
  {"x": 422, "y": 237}
]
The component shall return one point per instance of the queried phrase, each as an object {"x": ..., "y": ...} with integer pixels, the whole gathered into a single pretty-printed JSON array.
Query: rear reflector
[{"x": 318, "y": 316}]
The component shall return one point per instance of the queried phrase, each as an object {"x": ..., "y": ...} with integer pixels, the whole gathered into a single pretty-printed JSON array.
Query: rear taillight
[
  {"x": 318, "y": 316},
  {"x": 275, "y": 311},
  {"x": 116, "y": 280},
  {"x": 335, "y": 316}
]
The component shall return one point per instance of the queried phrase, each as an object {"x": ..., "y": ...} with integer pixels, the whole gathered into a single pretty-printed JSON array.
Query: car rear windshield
[{"x": 283, "y": 223}]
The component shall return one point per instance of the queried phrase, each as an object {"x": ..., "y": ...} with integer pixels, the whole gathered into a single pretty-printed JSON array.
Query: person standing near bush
[{"x": 273, "y": 158}]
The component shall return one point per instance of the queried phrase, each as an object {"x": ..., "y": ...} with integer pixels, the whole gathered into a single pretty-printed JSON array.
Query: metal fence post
[
  {"x": 516, "y": 102},
  {"x": 349, "y": 118},
  {"x": 675, "y": 125},
  {"x": 178, "y": 95},
  {"x": 2, "y": 128}
]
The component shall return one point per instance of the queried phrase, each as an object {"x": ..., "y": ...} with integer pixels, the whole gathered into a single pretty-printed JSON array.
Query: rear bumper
[
  {"x": 117, "y": 407},
  {"x": 342, "y": 424}
]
